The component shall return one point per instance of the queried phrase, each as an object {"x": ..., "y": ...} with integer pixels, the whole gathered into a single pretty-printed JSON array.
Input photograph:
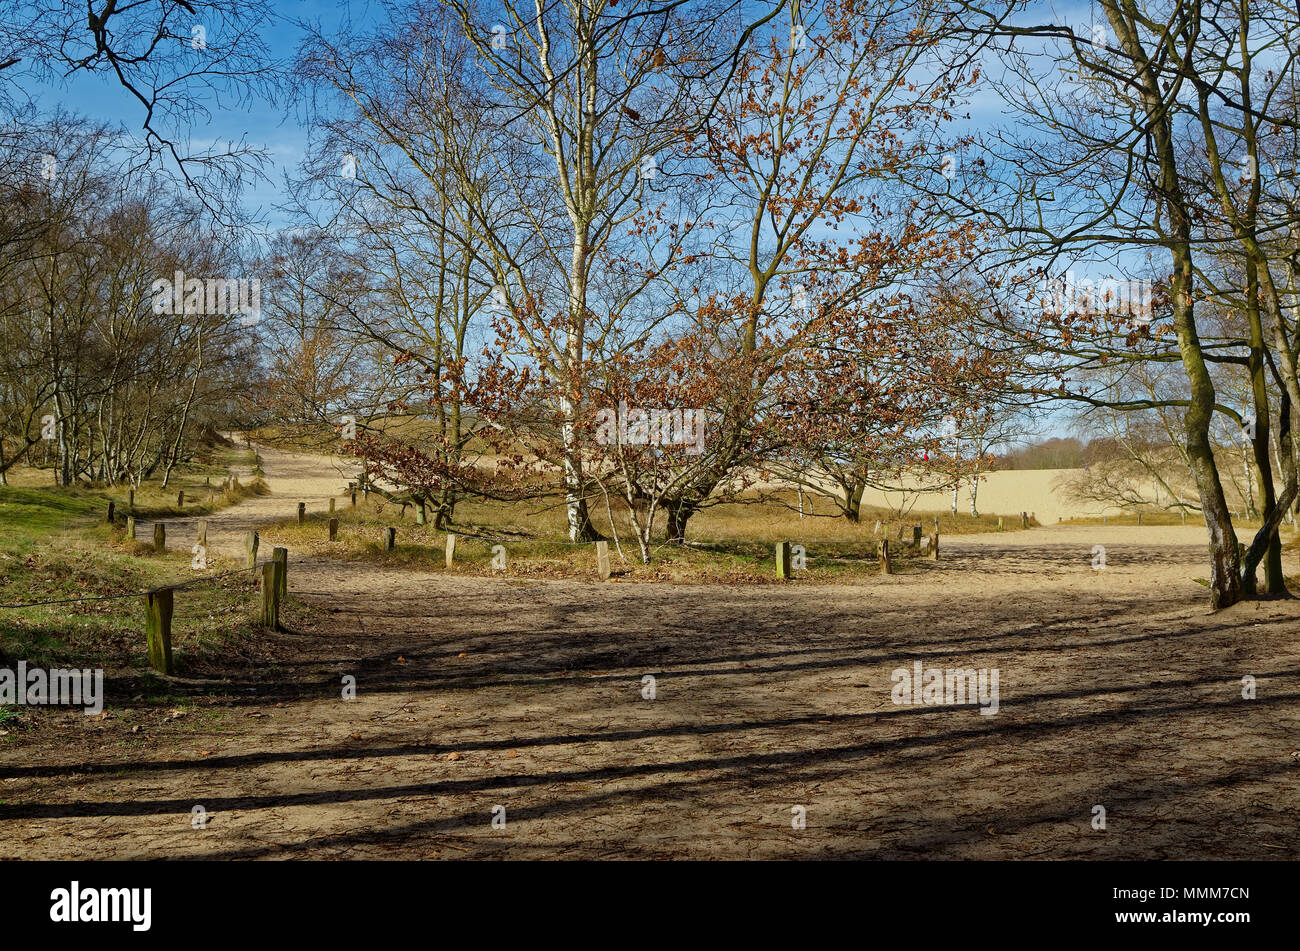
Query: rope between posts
[{"x": 137, "y": 594}]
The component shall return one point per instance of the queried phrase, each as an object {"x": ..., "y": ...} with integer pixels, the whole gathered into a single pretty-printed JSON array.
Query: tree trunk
[
  {"x": 679, "y": 513},
  {"x": 853, "y": 502},
  {"x": 1225, "y": 581}
]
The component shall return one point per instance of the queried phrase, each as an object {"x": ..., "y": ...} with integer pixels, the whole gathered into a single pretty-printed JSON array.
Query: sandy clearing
[{"x": 1117, "y": 688}]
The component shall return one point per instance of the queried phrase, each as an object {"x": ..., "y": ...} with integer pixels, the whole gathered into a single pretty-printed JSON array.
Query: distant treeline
[{"x": 1058, "y": 453}]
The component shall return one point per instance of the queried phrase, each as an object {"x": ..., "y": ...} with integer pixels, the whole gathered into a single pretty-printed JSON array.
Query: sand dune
[{"x": 1020, "y": 490}]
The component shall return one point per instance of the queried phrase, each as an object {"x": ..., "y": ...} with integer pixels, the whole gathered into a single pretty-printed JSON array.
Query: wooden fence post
[
  {"x": 783, "y": 560},
  {"x": 271, "y": 595},
  {"x": 916, "y": 536},
  {"x": 159, "y": 536},
  {"x": 934, "y": 547},
  {"x": 302, "y": 512},
  {"x": 602, "y": 560},
  {"x": 334, "y": 529},
  {"x": 451, "y": 549},
  {"x": 158, "y": 629},
  {"x": 180, "y": 499},
  {"x": 1024, "y": 520},
  {"x": 251, "y": 541},
  {"x": 109, "y": 517},
  {"x": 390, "y": 539},
  {"x": 130, "y": 526},
  {"x": 203, "y": 532},
  {"x": 886, "y": 568},
  {"x": 280, "y": 556}
]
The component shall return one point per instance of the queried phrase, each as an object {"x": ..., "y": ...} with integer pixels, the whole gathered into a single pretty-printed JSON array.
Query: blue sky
[
  {"x": 272, "y": 125},
  {"x": 279, "y": 128}
]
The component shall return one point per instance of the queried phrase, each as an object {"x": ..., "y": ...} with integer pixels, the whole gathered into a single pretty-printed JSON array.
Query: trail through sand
[
  {"x": 524, "y": 699},
  {"x": 293, "y": 477}
]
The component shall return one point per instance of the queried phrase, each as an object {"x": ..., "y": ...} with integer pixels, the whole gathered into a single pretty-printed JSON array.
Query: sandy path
[
  {"x": 293, "y": 478},
  {"x": 1117, "y": 689}
]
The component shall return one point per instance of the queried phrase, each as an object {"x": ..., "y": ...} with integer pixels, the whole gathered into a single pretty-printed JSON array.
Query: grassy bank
[{"x": 56, "y": 546}]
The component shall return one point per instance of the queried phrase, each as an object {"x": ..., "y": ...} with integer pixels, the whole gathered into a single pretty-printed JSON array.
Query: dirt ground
[{"x": 1117, "y": 689}]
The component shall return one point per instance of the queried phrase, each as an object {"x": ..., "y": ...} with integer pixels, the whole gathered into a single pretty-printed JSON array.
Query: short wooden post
[
  {"x": 251, "y": 541},
  {"x": 886, "y": 567},
  {"x": 302, "y": 512},
  {"x": 159, "y": 536},
  {"x": 109, "y": 517},
  {"x": 271, "y": 595},
  {"x": 916, "y": 536},
  {"x": 280, "y": 557},
  {"x": 331, "y": 505},
  {"x": 158, "y": 629},
  {"x": 390, "y": 539},
  {"x": 130, "y": 526},
  {"x": 203, "y": 532},
  {"x": 783, "y": 560},
  {"x": 180, "y": 499},
  {"x": 334, "y": 529},
  {"x": 451, "y": 549},
  {"x": 602, "y": 560},
  {"x": 934, "y": 547}
]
